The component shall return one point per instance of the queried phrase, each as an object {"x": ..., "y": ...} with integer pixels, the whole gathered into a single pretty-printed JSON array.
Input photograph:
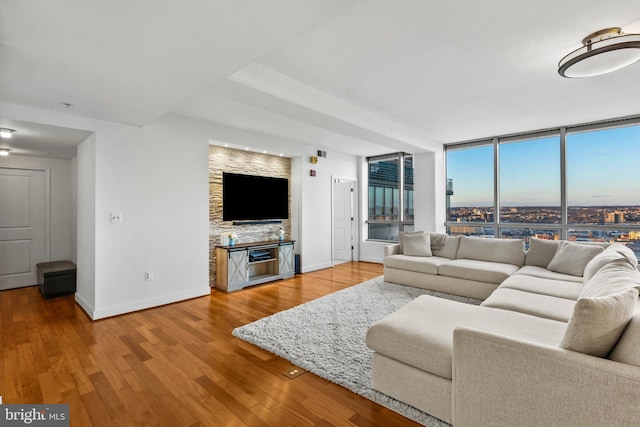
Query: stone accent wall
[{"x": 223, "y": 159}]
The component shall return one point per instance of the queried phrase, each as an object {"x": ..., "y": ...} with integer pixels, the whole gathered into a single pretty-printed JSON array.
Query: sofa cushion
[
  {"x": 506, "y": 251},
  {"x": 416, "y": 244},
  {"x": 572, "y": 258},
  {"x": 603, "y": 258},
  {"x": 427, "y": 265},
  {"x": 531, "y": 270},
  {"x": 537, "y": 285},
  {"x": 449, "y": 247},
  {"x": 597, "y": 323},
  {"x": 400, "y": 238},
  {"x": 437, "y": 240},
  {"x": 624, "y": 251},
  {"x": 541, "y": 251},
  {"x": 627, "y": 349},
  {"x": 539, "y": 305},
  {"x": 616, "y": 276},
  {"x": 482, "y": 271},
  {"x": 420, "y": 334}
]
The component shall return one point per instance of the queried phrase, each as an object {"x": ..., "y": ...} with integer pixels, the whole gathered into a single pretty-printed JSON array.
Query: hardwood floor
[{"x": 176, "y": 365}]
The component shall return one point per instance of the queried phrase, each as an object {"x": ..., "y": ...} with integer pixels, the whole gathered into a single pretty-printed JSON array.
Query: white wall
[
  {"x": 157, "y": 178},
  {"x": 73, "y": 217},
  {"x": 315, "y": 204},
  {"x": 86, "y": 225},
  {"x": 429, "y": 191},
  {"x": 62, "y": 206}
]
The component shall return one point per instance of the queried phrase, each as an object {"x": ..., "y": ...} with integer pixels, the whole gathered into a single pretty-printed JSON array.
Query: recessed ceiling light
[
  {"x": 264, "y": 151},
  {"x": 246, "y": 149},
  {"x": 6, "y": 133},
  {"x": 226, "y": 145},
  {"x": 4, "y": 152}
]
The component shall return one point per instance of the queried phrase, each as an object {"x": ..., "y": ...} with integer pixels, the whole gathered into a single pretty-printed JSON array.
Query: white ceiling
[{"x": 362, "y": 77}]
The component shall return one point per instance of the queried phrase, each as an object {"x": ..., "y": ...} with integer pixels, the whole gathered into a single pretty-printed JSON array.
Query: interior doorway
[
  {"x": 343, "y": 221},
  {"x": 23, "y": 226}
]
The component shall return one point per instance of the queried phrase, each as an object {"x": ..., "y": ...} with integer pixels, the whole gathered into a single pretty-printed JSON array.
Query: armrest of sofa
[
  {"x": 500, "y": 381},
  {"x": 392, "y": 249}
]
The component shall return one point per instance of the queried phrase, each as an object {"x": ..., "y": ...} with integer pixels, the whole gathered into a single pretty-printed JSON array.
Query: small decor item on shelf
[
  {"x": 232, "y": 238},
  {"x": 281, "y": 234}
]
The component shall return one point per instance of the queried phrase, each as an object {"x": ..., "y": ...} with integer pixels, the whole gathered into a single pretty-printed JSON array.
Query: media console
[{"x": 248, "y": 264}]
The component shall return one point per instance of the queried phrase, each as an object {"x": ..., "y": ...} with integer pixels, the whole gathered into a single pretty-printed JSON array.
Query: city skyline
[{"x": 577, "y": 215}]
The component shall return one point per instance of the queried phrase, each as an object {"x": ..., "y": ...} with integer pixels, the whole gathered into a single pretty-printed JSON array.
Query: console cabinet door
[
  {"x": 285, "y": 257},
  {"x": 238, "y": 268}
]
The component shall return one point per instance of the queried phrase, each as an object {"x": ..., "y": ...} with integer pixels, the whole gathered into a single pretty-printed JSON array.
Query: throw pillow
[
  {"x": 417, "y": 244},
  {"x": 572, "y": 258},
  {"x": 597, "y": 323},
  {"x": 402, "y": 234},
  {"x": 449, "y": 249},
  {"x": 437, "y": 240},
  {"x": 541, "y": 251}
]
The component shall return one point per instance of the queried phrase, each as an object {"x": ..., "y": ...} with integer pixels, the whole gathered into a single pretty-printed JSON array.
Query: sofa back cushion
[
  {"x": 613, "y": 277},
  {"x": 507, "y": 251},
  {"x": 572, "y": 258},
  {"x": 624, "y": 251},
  {"x": 603, "y": 259},
  {"x": 541, "y": 251},
  {"x": 449, "y": 248},
  {"x": 627, "y": 350}
]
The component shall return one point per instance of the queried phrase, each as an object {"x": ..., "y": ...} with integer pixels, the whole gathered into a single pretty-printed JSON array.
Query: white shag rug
[{"x": 326, "y": 336}]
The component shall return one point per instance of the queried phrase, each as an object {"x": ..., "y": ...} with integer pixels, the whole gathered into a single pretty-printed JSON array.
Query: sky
[{"x": 602, "y": 169}]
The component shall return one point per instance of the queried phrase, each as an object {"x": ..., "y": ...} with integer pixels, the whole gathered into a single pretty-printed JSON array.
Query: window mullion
[
  {"x": 496, "y": 187},
  {"x": 564, "y": 219}
]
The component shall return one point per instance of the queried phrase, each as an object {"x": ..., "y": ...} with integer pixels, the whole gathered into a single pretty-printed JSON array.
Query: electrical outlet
[
  {"x": 148, "y": 275},
  {"x": 115, "y": 217},
  {"x": 293, "y": 372}
]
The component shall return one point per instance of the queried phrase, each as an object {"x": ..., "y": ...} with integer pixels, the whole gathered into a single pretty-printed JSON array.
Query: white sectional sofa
[{"x": 556, "y": 340}]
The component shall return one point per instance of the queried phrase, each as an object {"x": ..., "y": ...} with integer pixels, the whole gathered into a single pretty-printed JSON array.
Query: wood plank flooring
[{"x": 176, "y": 365}]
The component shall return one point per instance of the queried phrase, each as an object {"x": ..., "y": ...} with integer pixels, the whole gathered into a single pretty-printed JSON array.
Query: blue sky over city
[{"x": 602, "y": 169}]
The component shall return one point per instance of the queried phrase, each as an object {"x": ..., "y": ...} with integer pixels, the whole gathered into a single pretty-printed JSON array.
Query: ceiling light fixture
[
  {"x": 602, "y": 52},
  {"x": 6, "y": 133},
  {"x": 4, "y": 152}
]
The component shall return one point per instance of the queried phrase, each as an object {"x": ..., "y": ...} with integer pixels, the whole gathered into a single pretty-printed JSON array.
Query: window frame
[
  {"x": 402, "y": 223},
  {"x": 564, "y": 227}
]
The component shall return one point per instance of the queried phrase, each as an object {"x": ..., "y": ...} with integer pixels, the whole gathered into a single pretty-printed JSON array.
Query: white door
[
  {"x": 22, "y": 226},
  {"x": 342, "y": 221}
]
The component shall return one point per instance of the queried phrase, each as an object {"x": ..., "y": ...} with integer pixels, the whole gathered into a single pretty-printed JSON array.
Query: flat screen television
[{"x": 254, "y": 198}]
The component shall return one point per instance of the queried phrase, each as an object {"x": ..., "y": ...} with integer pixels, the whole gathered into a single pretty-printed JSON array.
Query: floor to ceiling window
[
  {"x": 390, "y": 196},
  {"x": 575, "y": 183}
]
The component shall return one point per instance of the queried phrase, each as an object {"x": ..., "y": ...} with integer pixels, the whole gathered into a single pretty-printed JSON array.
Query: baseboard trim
[
  {"x": 374, "y": 260},
  {"x": 307, "y": 269},
  {"x": 149, "y": 303},
  {"x": 84, "y": 304}
]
